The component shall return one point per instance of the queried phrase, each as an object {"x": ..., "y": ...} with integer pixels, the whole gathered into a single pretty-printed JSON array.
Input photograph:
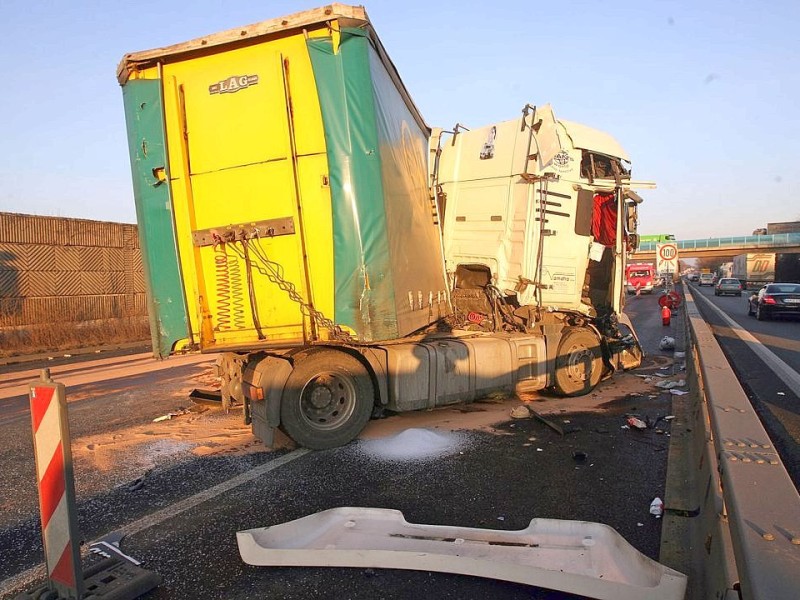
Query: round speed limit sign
[
  {"x": 667, "y": 257},
  {"x": 667, "y": 252}
]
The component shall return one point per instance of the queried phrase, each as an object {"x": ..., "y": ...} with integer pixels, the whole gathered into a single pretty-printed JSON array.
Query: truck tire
[
  {"x": 327, "y": 400},
  {"x": 579, "y": 363}
]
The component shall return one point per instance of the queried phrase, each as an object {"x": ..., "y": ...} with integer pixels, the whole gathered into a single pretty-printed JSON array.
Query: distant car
[
  {"x": 706, "y": 279},
  {"x": 775, "y": 299},
  {"x": 728, "y": 285},
  {"x": 694, "y": 277}
]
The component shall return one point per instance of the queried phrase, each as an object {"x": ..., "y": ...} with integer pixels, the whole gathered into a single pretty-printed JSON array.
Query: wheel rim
[
  {"x": 579, "y": 363},
  {"x": 328, "y": 400}
]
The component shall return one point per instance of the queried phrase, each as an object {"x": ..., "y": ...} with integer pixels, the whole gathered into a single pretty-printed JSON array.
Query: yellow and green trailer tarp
[{"x": 280, "y": 178}]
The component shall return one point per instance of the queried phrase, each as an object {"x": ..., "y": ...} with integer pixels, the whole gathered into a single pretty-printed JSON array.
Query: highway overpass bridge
[{"x": 724, "y": 247}]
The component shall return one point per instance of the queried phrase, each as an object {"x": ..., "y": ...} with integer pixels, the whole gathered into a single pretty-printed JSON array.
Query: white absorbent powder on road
[{"x": 414, "y": 444}]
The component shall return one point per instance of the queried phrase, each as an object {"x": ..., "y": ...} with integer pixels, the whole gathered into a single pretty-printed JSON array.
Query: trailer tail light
[
  {"x": 769, "y": 300},
  {"x": 252, "y": 392}
]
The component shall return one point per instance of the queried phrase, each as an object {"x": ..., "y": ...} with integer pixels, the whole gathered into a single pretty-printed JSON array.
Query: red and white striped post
[{"x": 54, "y": 474}]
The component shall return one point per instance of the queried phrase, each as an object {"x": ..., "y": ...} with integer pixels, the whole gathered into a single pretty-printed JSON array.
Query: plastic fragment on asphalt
[
  {"x": 520, "y": 412},
  {"x": 668, "y": 385},
  {"x": 678, "y": 392},
  {"x": 667, "y": 343},
  {"x": 636, "y": 422},
  {"x": 781, "y": 393},
  {"x": 578, "y": 557},
  {"x": 657, "y": 507}
]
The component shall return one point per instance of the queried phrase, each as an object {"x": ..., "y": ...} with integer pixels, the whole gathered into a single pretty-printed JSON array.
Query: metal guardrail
[
  {"x": 757, "y": 548},
  {"x": 743, "y": 241}
]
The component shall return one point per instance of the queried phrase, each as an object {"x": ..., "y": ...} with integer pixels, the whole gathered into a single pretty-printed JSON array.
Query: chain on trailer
[{"x": 273, "y": 272}]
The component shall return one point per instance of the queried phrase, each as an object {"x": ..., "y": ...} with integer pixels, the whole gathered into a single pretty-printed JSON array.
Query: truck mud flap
[
  {"x": 262, "y": 382},
  {"x": 590, "y": 559}
]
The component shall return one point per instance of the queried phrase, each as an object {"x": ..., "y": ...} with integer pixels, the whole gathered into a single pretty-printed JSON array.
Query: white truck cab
[{"x": 546, "y": 204}]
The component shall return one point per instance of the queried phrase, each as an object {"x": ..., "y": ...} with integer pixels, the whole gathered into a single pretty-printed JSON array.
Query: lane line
[
  {"x": 111, "y": 372},
  {"x": 25, "y": 578},
  {"x": 786, "y": 373}
]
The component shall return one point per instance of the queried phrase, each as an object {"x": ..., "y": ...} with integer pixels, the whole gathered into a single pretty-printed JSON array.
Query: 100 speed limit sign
[{"x": 667, "y": 258}]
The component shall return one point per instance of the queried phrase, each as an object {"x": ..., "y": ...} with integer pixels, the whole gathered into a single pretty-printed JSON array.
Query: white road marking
[
  {"x": 25, "y": 578},
  {"x": 786, "y": 373},
  {"x": 79, "y": 374}
]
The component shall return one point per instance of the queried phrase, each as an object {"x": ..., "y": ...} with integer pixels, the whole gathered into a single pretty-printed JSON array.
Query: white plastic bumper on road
[{"x": 578, "y": 557}]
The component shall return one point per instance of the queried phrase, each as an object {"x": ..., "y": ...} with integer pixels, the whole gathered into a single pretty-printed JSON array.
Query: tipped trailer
[{"x": 287, "y": 223}]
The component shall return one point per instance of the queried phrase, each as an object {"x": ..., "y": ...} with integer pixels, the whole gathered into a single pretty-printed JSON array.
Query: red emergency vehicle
[{"x": 640, "y": 278}]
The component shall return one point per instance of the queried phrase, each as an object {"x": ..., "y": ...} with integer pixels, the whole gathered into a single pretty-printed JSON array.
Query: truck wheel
[
  {"x": 327, "y": 400},
  {"x": 579, "y": 363}
]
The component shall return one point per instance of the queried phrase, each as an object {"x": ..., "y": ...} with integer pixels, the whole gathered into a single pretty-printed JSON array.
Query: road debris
[
  {"x": 208, "y": 397},
  {"x": 520, "y": 412},
  {"x": 137, "y": 483},
  {"x": 171, "y": 415},
  {"x": 678, "y": 392},
  {"x": 554, "y": 426},
  {"x": 657, "y": 507},
  {"x": 668, "y": 385},
  {"x": 635, "y": 422},
  {"x": 667, "y": 343}
]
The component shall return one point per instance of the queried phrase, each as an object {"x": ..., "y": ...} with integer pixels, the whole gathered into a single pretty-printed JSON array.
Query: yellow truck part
[{"x": 280, "y": 175}]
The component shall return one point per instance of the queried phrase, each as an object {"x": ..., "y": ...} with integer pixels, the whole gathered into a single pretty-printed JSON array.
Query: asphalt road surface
[
  {"x": 776, "y": 401},
  {"x": 467, "y": 465}
]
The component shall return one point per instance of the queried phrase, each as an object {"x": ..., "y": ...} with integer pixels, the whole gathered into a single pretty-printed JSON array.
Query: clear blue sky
[{"x": 704, "y": 95}]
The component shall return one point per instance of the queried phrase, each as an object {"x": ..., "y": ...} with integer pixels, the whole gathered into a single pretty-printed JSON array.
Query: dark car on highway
[
  {"x": 775, "y": 299},
  {"x": 728, "y": 285}
]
